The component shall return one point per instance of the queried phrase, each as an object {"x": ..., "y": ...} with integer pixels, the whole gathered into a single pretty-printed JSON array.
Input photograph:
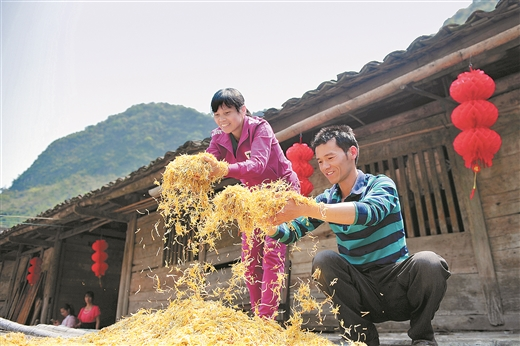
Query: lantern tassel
[
  {"x": 476, "y": 169},
  {"x": 474, "y": 187}
]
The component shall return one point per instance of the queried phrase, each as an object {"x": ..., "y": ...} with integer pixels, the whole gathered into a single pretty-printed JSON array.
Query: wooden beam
[
  {"x": 28, "y": 241},
  {"x": 84, "y": 211},
  {"x": 84, "y": 228},
  {"x": 474, "y": 222},
  {"x": 126, "y": 270},
  {"x": 12, "y": 280},
  {"x": 31, "y": 251},
  {"x": 106, "y": 232},
  {"x": 60, "y": 215},
  {"x": 48, "y": 232},
  {"x": 141, "y": 184},
  {"x": 8, "y": 257},
  {"x": 49, "y": 289}
]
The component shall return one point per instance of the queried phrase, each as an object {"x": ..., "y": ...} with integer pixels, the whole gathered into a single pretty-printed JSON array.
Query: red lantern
[
  {"x": 477, "y": 144},
  {"x": 34, "y": 270},
  {"x": 299, "y": 154},
  {"x": 99, "y": 257}
]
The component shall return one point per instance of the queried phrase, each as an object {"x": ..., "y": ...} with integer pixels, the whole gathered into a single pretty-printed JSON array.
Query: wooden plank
[
  {"x": 126, "y": 270},
  {"x": 417, "y": 193},
  {"x": 19, "y": 288},
  {"x": 49, "y": 290},
  {"x": 450, "y": 194},
  {"x": 472, "y": 214},
  {"x": 101, "y": 214},
  {"x": 36, "y": 313},
  {"x": 84, "y": 228},
  {"x": 455, "y": 248},
  {"x": 12, "y": 281},
  {"x": 427, "y": 188},
  {"x": 30, "y": 241},
  {"x": 391, "y": 172},
  {"x": 503, "y": 226},
  {"x": 509, "y": 283},
  {"x": 29, "y": 300},
  {"x": 436, "y": 186},
  {"x": 405, "y": 198}
]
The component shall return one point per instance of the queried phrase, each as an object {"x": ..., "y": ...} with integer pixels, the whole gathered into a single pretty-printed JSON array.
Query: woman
[
  {"x": 254, "y": 156},
  {"x": 69, "y": 320},
  {"x": 89, "y": 316}
]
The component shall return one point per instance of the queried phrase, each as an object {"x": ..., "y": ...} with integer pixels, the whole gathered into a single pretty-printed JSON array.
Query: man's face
[{"x": 334, "y": 163}]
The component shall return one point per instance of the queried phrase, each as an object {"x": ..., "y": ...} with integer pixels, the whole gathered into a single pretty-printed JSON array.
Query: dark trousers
[{"x": 408, "y": 290}]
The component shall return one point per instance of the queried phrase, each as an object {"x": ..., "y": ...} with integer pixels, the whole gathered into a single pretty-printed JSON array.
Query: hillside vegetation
[{"x": 86, "y": 160}]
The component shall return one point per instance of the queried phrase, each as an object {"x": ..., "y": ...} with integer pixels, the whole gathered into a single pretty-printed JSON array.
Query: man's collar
[{"x": 358, "y": 188}]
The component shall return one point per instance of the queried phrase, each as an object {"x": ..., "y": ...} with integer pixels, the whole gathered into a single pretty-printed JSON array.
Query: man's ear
[{"x": 353, "y": 152}]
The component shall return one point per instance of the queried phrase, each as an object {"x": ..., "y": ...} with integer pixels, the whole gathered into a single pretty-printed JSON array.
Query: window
[
  {"x": 176, "y": 248},
  {"x": 426, "y": 190}
]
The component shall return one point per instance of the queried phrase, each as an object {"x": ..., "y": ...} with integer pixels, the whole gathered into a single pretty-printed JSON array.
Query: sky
[{"x": 66, "y": 65}]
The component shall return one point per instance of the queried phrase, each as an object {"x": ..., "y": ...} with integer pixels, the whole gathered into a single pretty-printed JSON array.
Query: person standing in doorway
[{"x": 89, "y": 315}]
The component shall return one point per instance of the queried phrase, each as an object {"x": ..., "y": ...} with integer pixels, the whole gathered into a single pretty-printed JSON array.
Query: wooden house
[{"x": 400, "y": 112}]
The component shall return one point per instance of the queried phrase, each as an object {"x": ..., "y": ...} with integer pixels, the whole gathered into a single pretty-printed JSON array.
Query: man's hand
[{"x": 288, "y": 213}]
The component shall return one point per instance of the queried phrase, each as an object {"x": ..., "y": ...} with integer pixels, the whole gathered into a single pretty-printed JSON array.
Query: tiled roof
[{"x": 419, "y": 46}]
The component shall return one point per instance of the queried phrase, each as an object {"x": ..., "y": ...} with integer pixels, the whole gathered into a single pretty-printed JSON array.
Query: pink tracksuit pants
[{"x": 266, "y": 259}]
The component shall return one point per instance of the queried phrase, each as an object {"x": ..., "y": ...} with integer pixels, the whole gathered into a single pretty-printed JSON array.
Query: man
[{"x": 373, "y": 278}]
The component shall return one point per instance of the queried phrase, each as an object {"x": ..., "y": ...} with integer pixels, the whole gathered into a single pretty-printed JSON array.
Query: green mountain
[
  {"x": 477, "y": 5},
  {"x": 87, "y": 160}
]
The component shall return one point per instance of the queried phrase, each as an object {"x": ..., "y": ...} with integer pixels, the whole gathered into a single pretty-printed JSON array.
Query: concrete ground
[{"x": 444, "y": 339}]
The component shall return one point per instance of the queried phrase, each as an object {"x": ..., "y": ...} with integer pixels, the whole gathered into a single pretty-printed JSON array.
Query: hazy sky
[{"x": 66, "y": 65}]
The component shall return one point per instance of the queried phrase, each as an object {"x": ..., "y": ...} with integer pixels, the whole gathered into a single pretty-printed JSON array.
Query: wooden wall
[
  {"x": 464, "y": 306},
  {"x": 149, "y": 287}
]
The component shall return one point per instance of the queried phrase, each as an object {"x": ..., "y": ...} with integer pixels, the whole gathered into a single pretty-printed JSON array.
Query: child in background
[
  {"x": 254, "y": 156},
  {"x": 69, "y": 320}
]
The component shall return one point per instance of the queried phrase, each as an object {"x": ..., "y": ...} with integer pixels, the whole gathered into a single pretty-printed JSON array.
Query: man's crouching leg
[
  {"x": 348, "y": 288},
  {"x": 426, "y": 273}
]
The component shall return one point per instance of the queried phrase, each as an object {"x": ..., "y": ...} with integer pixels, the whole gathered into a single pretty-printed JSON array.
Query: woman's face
[
  {"x": 64, "y": 312},
  {"x": 88, "y": 299},
  {"x": 230, "y": 120}
]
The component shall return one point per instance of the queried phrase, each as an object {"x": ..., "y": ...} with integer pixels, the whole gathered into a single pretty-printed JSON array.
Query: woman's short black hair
[
  {"x": 230, "y": 97},
  {"x": 343, "y": 135}
]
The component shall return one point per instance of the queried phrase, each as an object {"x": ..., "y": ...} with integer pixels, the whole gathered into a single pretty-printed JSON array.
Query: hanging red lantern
[
  {"x": 299, "y": 154},
  {"x": 99, "y": 257},
  {"x": 34, "y": 270},
  {"x": 477, "y": 144}
]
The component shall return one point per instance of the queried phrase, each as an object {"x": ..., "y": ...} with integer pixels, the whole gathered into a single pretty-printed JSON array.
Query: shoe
[{"x": 424, "y": 343}]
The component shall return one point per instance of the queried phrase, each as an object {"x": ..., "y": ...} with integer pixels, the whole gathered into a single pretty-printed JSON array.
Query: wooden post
[
  {"x": 473, "y": 218},
  {"x": 10, "y": 295},
  {"x": 50, "y": 282},
  {"x": 126, "y": 269}
]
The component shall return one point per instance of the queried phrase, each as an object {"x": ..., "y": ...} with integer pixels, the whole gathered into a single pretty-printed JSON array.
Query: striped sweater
[{"x": 377, "y": 235}]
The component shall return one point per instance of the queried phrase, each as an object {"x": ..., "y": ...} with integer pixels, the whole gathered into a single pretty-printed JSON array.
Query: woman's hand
[{"x": 219, "y": 169}]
